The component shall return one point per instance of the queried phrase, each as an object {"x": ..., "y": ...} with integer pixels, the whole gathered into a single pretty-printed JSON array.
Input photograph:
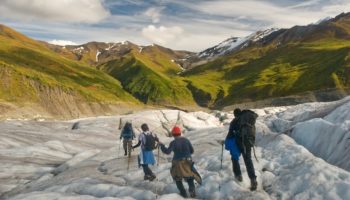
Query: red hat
[{"x": 176, "y": 131}]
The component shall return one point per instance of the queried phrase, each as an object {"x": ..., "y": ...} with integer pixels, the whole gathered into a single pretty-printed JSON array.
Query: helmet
[{"x": 176, "y": 131}]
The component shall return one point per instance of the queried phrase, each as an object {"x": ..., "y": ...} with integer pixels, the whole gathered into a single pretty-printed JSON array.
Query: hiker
[
  {"x": 240, "y": 139},
  {"x": 128, "y": 135},
  {"x": 182, "y": 165},
  {"x": 146, "y": 157}
]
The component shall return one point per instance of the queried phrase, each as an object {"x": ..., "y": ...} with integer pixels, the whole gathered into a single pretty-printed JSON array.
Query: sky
[{"x": 192, "y": 25}]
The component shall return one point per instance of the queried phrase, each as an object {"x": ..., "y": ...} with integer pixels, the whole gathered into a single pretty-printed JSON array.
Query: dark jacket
[
  {"x": 181, "y": 147},
  {"x": 234, "y": 127}
]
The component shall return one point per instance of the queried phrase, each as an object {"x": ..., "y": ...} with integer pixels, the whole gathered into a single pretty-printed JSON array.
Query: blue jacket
[
  {"x": 181, "y": 147},
  {"x": 231, "y": 145}
]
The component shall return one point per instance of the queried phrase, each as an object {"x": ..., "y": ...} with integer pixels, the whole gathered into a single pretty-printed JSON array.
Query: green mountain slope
[
  {"x": 33, "y": 74},
  {"x": 147, "y": 84},
  {"x": 297, "y": 60},
  {"x": 89, "y": 78},
  {"x": 149, "y": 73}
]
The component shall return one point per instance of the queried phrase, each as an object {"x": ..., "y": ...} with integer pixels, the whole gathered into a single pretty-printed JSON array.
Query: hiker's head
[
  {"x": 127, "y": 125},
  {"x": 176, "y": 131},
  {"x": 144, "y": 127},
  {"x": 237, "y": 112}
]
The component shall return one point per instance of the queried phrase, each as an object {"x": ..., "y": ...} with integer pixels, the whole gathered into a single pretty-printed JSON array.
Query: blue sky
[{"x": 178, "y": 24}]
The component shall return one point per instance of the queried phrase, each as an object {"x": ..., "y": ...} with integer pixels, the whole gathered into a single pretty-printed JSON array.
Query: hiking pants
[
  {"x": 180, "y": 186},
  {"x": 236, "y": 168},
  {"x": 127, "y": 144},
  {"x": 247, "y": 157},
  {"x": 147, "y": 170}
]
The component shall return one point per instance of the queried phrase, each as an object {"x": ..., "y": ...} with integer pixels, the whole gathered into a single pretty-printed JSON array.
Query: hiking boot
[
  {"x": 253, "y": 184},
  {"x": 183, "y": 194},
  {"x": 146, "y": 177},
  {"x": 239, "y": 178},
  {"x": 192, "y": 193},
  {"x": 152, "y": 177}
]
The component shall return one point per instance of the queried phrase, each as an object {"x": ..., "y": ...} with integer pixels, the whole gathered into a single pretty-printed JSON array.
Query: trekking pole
[
  {"x": 119, "y": 147},
  {"x": 158, "y": 156},
  {"x": 129, "y": 158},
  {"x": 255, "y": 155},
  {"x": 129, "y": 155},
  {"x": 222, "y": 153},
  {"x": 157, "y": 172}
]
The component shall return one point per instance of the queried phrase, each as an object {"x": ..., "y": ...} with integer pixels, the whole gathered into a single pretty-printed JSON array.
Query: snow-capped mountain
[
  {"x": 302, "y": 153},
  {"x": 226, "y": 47},
  {"x": 234, "y": 43}
]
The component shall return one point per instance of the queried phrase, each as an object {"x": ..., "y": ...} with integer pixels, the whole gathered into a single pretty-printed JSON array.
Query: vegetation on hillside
[
  {"x": 27, "y": 66},
  {"x": 292, "y": 61},
  {"x": 146, "y": 84}
]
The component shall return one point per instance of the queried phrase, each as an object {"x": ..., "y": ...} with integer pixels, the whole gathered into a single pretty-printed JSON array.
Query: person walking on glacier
[
  {"x": 182, "y": 164},
  {"x": 147, "y": 141},
  {"x": 240, "y": 139},
  {"x": 127, "y": 135}
]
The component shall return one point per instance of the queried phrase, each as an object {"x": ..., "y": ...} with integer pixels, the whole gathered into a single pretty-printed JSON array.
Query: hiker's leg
[
  {"x": 125, "y": 142},
  {"x": 191, "y": 187},
  {"x": 236, "y": 168},
  {"x": 144, "y": 167},
  {"x": 129, "y": 147},
  {"x": 181, "y": 188},
  {"x": 147, "y": 170},
  {"x": 249, "y": 163}
]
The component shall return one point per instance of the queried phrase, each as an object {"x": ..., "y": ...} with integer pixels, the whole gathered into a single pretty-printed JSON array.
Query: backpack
[
  {"x": 246, "y": 124},
  {"x": 127, "y": 133},
  {"x": 150, "y": 143}
]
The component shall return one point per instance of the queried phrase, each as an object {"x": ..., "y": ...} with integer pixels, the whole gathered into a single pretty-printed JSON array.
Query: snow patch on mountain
[
  {"x": 110, "y": 46},
  {"x": 234, "y": 43},
  {"x": 222, "y": 48},
  {"x": 320, "y": 21},
  {"x": 97, "y": 54}
]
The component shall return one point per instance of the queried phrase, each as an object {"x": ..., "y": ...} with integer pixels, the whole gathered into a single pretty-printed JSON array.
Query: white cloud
[
  {"x": 62, "y": 42},
  {"x": 337, "y": 8},
  {"x": 86, "y": 11},
  {"x": 269, "y": 13},
  {"x": 154, "y": 13},
  {"x": 305, "y": 4},
  {"x": 207, "y": 23},
  {"x": 162, "y": 35}
]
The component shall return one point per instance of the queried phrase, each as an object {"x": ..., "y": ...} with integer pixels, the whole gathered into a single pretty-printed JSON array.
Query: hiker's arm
[
  {"x": 230, "y": 130},
  {"x": 137, "y": 145},
  {"x": 165, "y": 149},
  {"x": 191, "y": 147}
]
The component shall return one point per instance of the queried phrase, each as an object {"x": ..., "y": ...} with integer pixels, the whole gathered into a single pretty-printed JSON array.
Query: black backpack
[
  {"x": 246, "y": 124},
  {"x": 150, "y": 143}
]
